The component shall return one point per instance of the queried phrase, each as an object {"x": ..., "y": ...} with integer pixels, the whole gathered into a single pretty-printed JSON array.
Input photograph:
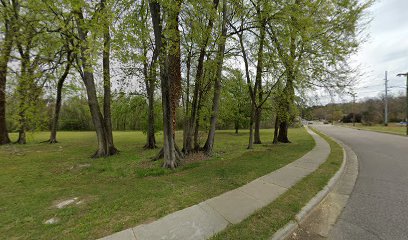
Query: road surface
[{"x": 378, "y": 205}]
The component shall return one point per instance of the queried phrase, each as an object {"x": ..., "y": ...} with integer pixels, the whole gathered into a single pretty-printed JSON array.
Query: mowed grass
[
  {"x": 124, "y": 190},
  {"x": 266, "y": 221},
  {"x": 393, "y": 128}
]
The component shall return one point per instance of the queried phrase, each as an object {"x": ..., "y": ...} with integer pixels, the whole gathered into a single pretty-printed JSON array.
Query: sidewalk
[{"x": 207, "y": 218}]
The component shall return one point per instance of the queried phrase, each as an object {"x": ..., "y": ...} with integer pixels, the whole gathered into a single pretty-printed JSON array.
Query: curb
[{"x": 293, "y": 225}]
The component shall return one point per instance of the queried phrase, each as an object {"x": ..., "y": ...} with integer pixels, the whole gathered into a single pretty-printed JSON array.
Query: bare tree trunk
[
  {"x": 208, "y": 147},
  {"x": 283, "y": 124},
  {"x": 107, "y": 119},
  {"x": 4, "y": 59},
  {"x": 257, "y": 120},
  {"x": 283, "y": 132},
  {"x": 4, "y": 138},
  {"x": 60, "y": 84},
  {"x": 21, "y": 136},
  {"x": 236, "y": 127},
  {"x": 88, "y": 79},
  {"x": 194, "y": 117},
  {"x": 251, "y": 127},
  {"x": 258, "y": 79},
  {"x": 169, "y": 149},
  {"x": 276, "y": 132},
  {"x": 197, "y": 125},
  {"x": 22, "y": 91},
  {"x": 186, "y": 102},
  {"x": 151, "y": 139},
  {"x": 54, "y": 125},
  {"x": 22, "y": 117},
  {"x": 149, "y": 73}
]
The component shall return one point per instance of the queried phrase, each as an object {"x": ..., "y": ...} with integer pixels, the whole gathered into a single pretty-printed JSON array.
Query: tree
[
  {"x": 138, "y": 55},
  {"x": 84, "y": 27},
  {"x": 203, "y": 40},
  {"x": 313, "y": 41},
  {"x": 8, "y": 28},
  {"x": 58, "y": 101},
  {"x": 209, "y": 144},
  {"x": 255, "y": 90},
  {"x": 167, "y": 44}
]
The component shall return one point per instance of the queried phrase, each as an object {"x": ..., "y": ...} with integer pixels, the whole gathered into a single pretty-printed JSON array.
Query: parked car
[{"x": 403, "y": 123}]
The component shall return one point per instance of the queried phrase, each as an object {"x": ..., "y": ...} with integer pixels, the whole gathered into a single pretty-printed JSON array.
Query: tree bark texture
[
  {"x": 257, "y": 120},
  {"x": 276, "y": 131}
]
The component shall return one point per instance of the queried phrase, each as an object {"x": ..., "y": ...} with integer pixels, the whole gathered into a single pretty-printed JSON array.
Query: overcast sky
[{"x": 386, "y": 49}]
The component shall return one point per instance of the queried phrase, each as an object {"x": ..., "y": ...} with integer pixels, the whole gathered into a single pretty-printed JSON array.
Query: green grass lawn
[
  {"x": 393, "y": 128},
  {"x": 124, "y": 190},
  {"x": 266, "y": 221}
]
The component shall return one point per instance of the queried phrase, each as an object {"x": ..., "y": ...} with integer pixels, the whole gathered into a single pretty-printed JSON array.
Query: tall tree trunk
[
  {"x": 60, "y": 84},
  {"x": 236, "y": 127},
  {"x": 197, "y": 124},
  {"x": 151, "y": 139},
  {"x": 22, "y": 91},
  {"x": 208, "y": 147},
  {"x": 107, "y": 119},
  {"x": 289, "y": 91},
  {"x": 258, "y": 79},
  {"x": 169, "y": 149},
  {"x": 194, "y": 117},
  {"x": 252, "y": 91},
  {"x": 149, "y": 73},
  {"x": 4, "y": 59},
  {"x": 88, "y": 79},
  {"x": 186, "y": 102}
]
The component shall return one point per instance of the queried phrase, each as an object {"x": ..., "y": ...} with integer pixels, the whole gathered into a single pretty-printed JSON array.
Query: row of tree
[
  {"x": 368, "y": 111},
  {"x": 189, "y": 49}
]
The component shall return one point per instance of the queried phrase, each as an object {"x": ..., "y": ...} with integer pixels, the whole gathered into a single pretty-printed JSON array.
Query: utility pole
[
  {"x": 386, "y": 101},
  {"x": 352, "y": 108},
  {"x": 406, "y": 113}
]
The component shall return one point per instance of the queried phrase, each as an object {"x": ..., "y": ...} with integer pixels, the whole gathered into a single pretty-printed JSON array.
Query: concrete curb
[{"x": 293, "y": 225}]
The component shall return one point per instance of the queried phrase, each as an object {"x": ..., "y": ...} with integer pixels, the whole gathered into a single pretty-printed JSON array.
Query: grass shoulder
[
  {"x": 392, "y": 128},
  {"x": 265, "y": 222}
]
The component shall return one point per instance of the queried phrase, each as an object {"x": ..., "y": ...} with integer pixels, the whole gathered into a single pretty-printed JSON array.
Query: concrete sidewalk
[{"x": 207, "y": 218}]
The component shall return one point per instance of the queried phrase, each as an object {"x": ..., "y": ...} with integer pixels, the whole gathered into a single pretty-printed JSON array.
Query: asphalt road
[{"x": 378, "y": 205}]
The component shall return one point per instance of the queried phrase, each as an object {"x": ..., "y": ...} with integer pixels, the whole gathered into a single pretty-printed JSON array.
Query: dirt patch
[
  {"x": 195, "y": 157},
  {"x": 147, "y": 164}
]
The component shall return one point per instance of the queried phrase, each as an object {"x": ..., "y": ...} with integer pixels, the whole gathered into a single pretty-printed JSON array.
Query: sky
[{"x": 386, "y": 49}]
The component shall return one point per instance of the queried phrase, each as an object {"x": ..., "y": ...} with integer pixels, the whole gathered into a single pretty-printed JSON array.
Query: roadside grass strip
[{"x": 266, "y": 221}]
